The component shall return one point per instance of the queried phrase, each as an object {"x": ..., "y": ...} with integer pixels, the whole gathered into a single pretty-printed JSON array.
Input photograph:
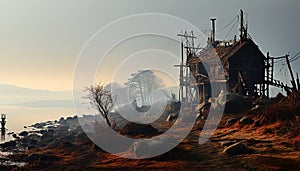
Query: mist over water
[{"x": 19, "y": 116}]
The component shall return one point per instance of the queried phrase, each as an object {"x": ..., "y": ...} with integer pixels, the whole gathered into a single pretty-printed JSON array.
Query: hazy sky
[{"x": 40, "y": 40}]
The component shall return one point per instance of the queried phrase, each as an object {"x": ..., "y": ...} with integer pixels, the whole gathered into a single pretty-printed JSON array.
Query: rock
[
  {"x": 246, "y": 120},
  {"x": 255, "y": 107},
  {"x": 235, "y": 149},
  {"x": 39, "y": 125},
  {"x": 15, "y": 136},
  {"x": 32, "y": 142},
  {"x": 227, "y": 143},
  {"x": 146, "y": 148},
  {"x": 135, "y": 129},
  {"x": 23, "y": 133},
  {"x": 63, "y": 128},
  {"x": 8, "y": 145},
  {"x": 172, "y": 117},
  {"x": 46, "y": 138},
  {"x": 231, "y": 121},
  {"x": 50, "y": 127},
  {"x": 61, "y": 120},
  {"x": 257, "y": 122},
  {"x": 47, "y": 135},
  {"x": 42, "y": 131}
]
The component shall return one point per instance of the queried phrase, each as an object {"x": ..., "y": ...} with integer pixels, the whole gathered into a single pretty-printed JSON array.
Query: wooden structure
[
  {"x": 3, "y": 129},
  {"x": 247, "y": 70}
]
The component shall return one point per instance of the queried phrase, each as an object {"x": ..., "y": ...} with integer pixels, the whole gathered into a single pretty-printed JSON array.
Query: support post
[
  {"x": 291, "y": 72},
  {"x": 181, "y": 74},
  {"x": 242, "y": 25},
  {"x": 298, "y": 82},
  {"x": 3, "y": 129},
  {"x": 3, "y": 118},
  {"x": 213, "y": 33},
  {"x": 268, "y": 77}
]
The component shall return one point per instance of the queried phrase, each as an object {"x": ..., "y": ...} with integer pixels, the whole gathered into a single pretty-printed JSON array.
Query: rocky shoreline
[
  {"x": 263, "y": 138},
  {"x": 50, "y": 134}
]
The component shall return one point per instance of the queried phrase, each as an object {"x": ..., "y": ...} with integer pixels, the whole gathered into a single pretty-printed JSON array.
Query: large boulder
[
  {"x": 8, "y": 146},
  {"x": 23, "y": 133},
  {"x": 134, "y": 129},
  {"x": 237, "y": 148}
]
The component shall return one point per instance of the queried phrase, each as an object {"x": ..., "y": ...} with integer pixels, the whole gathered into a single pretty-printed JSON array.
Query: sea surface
[{"x": 18, "y": 116}]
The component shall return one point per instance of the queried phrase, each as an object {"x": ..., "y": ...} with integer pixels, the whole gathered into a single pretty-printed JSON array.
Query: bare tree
[{"x": 100, "y": 99}]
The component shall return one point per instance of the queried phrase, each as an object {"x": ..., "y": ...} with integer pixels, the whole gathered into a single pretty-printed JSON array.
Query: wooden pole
[
  {"x": 181, "y": 74},
  {"x": 241, "y": 24},
  {"x": 298, "y": 82},
  {"x": 3, "y": 117},
  {"x": 291, "y": 72},
  {"x": 213, "y": 34}
]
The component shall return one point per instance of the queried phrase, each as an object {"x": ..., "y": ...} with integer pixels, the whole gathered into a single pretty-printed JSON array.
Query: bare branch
[{"x": 101, "y": 100}]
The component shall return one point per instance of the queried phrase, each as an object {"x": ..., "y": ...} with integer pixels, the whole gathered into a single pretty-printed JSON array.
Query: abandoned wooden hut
[{"x": 242, "y": 60}]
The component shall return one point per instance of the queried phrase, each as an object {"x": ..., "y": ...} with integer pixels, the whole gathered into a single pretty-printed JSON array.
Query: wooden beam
[
  {"x": 291, "y": 72},
  {"x": 182, "y": 35},
  {"x": 298, "y": 82}
]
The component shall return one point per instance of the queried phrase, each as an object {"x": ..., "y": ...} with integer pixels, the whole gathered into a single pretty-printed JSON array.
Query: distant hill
[
  {"x": 48, "y": 104},
  {"x": 14, "y": 95},
  {"x": 20, "y": 96}
]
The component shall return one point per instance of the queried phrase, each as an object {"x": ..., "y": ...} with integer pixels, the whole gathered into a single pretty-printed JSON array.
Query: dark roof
[{"x": 225, "y": 52}]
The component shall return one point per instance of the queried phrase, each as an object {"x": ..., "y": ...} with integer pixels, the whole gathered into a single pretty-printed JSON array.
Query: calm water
[{"x": 17, "y": 117}]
